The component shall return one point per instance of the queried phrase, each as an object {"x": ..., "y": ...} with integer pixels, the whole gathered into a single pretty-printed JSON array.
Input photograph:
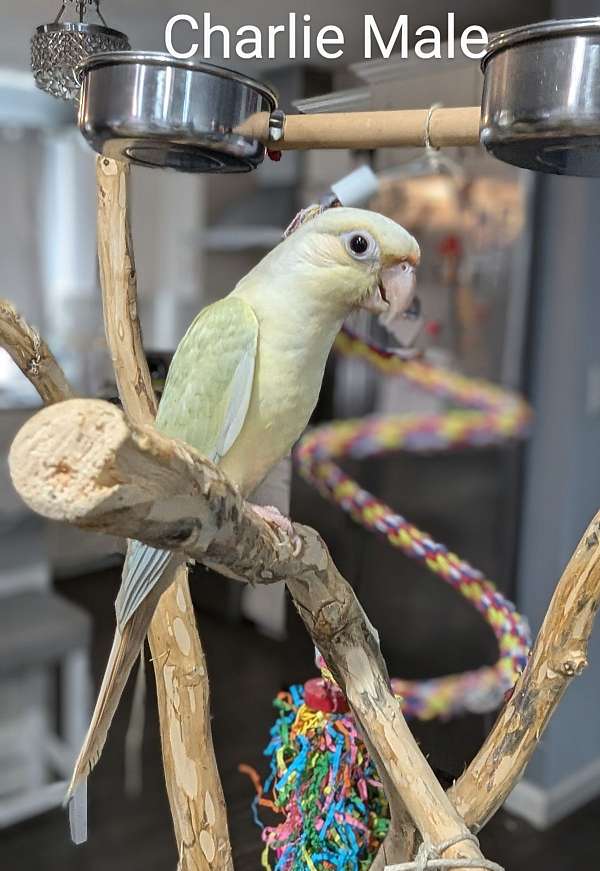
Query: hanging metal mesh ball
[{"x": 57, "y": 49}]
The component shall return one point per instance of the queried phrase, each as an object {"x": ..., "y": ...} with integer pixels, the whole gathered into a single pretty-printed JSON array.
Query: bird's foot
[{"x": 279, "y": 521}]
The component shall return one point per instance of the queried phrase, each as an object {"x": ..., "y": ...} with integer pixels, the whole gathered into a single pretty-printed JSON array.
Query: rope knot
[
  {"x": 429, "y": 858},
  {"x": 425, "y": 854}
]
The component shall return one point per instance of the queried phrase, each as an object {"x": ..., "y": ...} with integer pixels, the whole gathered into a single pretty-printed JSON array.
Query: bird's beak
[
  {"x": 395, "y": 302},
  {"x": 394, "y": 291}
]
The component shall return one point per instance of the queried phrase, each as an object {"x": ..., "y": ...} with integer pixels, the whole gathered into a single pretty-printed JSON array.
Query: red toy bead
[{"x": 319, "y": 695}]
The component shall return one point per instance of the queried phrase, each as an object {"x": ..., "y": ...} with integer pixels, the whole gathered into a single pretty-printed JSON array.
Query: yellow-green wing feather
[{"x": 210, "y": 379}]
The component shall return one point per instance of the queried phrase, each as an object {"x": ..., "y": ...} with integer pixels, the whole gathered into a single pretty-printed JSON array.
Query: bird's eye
[{"x": 360, "y": 245}]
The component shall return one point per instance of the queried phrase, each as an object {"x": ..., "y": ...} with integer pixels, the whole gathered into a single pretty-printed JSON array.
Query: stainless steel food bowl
[
  {"x": 541, "y": 99},
  {"x": 154, "y": 110}
]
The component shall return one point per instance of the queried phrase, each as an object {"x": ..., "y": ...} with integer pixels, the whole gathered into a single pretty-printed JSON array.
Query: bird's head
[{"x": 358, "y": 259}]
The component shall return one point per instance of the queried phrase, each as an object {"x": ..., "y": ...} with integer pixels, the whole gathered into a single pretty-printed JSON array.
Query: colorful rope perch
[{"x": 489, "y": 415}]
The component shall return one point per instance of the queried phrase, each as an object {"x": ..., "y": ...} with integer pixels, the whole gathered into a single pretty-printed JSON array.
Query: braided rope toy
[
  {"x": 489, "y": 415},
  {"x": 321, "y": 777}
]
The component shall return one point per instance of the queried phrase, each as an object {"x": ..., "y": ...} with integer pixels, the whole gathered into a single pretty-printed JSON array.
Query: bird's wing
[
  {"x": 204, "y": 403},
  {"x": 143, "y": 569},
  {"x": 209, "y": 385}
]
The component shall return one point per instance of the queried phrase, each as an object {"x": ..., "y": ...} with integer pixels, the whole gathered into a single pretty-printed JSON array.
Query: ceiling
[{"x": 144, "y": 20}]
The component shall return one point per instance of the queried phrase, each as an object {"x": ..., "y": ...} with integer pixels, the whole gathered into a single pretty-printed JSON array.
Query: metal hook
[
  {"x": 80, "y": 7},
  {"x": 100, "y": 15},
  {"x": 61, "y": 12}
]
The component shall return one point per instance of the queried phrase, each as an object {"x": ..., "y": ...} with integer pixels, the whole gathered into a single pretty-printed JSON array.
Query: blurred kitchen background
[{"x": 510, "y": 291}]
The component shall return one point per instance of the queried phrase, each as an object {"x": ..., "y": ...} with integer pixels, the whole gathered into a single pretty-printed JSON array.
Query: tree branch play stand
[
  {"x": 86, "y": 462},
  {"x": 90, "y": 464}
]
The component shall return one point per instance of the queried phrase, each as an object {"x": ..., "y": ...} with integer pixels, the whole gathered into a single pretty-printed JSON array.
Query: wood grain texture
[
  {"x": 85, "y": 463},
  {"x": 32, "y": 356},
  {"x": 559, "y": 655},
  {"x": 136, "y": 835},
  {"x": 202, "y": 513},
  {"x": 193, "y": 783}
]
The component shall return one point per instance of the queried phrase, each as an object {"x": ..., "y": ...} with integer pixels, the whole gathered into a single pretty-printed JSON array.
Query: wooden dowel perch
[{"x": 380, "y": 129}]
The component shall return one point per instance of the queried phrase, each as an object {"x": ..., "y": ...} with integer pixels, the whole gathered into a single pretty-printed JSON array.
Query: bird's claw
[{"x": 281, "y": 523}]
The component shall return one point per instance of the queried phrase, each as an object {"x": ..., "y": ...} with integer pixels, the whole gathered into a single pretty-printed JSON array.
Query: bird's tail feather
[
  {"x": 125, "y": 650},
  {"x": 134, "y": 737}
]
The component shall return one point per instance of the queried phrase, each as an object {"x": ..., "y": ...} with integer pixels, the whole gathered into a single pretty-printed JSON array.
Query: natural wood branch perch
[
  {"x": 83, "y": 462},
  {"x": 559, "y": 655},
  {"x": 99, "y": 471},
  {"x": 119, "y": 292},
  {"x": 192, "y": 778},
  {"x": 32, "y": 356},
  {"x": 51, "y": 471},
  {"x": 38, "y": 364}
]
